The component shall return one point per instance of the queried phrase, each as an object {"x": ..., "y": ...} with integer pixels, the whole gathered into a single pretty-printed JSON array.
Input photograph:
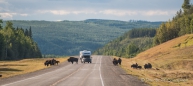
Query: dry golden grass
[
  {"x": 12, "y": 68},
  {"x": 172, "y": 63}
]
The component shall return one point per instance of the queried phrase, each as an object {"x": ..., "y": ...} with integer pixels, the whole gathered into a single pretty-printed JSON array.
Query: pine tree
[
  {"x": 0, "y": 24},
  {"x": 186, "y": 6},
  {"x": 30, "y": 32},
  {"x": 191, "y": 25}
]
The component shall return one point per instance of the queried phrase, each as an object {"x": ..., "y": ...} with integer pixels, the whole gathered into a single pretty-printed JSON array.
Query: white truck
[{"x": 85, "y": 56}]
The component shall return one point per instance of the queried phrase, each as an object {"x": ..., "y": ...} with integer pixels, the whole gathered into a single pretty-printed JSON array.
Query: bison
[
  {"x": 57, "y": 62},
  {"x": 115, "y": 61},
  {"x": 51, "y": 62},
  {"x": 47, "y": 62},
  {"x": 73, "y": 59},
  {"x": 148, "y": 66},
  {"x": 136, "y": 66},
  {"x": 119, "y": 61}
]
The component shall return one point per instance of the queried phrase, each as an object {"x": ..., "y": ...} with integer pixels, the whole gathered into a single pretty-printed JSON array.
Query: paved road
[{"x": 101, "y": 72}]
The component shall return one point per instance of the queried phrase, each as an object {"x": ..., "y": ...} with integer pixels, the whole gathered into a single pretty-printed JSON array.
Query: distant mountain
[{"x": 69, "y": 37}]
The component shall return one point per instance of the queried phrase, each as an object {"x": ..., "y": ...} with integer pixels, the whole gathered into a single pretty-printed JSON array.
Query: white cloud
[
  {"x": 3, "y": 2},
  {"x": 23, "y": 14},
  {"x": 110, "y": 12},
  {"x": 118, "y": 12},
  {"x": 60, "y": 12},
  {"x": 7, "y": 15},
  {"x": 157, "y": 12}
]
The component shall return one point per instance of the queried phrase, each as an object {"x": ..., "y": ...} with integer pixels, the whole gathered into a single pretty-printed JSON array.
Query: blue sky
[{"x": 76, "y": 10}]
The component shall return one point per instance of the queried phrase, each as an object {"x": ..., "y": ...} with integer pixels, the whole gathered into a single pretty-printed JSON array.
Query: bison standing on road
[
  {"x": 119, "y": 61},
  {"x": 115, "y": 61},
  {"x": 73, "y": 59}
]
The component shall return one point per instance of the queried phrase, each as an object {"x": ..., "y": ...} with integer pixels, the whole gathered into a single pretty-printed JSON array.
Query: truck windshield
[{"x": 86, "y": 56}]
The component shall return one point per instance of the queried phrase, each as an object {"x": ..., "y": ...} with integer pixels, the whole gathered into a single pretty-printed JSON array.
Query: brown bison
[
  {"x": 136, "y": 66},
  {"x": 119, "y": 61},
  {"x": 73, "y": 59},
  {"x": 148, "y": 66},
  {"x": 51, "y": 62},
  {"x": 115, "y": 61}
]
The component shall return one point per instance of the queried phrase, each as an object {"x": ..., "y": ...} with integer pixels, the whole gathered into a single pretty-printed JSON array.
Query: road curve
[{"x": 101, "y": 72}]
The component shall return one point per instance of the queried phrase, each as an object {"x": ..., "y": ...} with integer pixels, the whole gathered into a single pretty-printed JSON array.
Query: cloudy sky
[{"x": 76, "y": 10}]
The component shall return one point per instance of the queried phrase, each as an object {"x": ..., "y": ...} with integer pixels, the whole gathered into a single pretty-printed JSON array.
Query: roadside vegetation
[{"x": 13, "y": 68}]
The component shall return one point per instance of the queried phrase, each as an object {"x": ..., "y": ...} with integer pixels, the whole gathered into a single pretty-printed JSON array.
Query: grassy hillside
[
  {"x": 69, "y": 37},
  {"x": 172, "y": 63}
]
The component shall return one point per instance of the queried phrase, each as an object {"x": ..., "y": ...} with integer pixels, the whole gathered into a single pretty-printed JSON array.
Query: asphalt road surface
[{"x": 101, "y": 72}]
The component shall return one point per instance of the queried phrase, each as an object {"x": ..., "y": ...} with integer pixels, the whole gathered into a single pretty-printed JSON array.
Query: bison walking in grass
[{"x": 73, "y": 59}]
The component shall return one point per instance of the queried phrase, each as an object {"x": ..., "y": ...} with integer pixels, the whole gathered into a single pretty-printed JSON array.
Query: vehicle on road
[{"x": 85, "y": 56}]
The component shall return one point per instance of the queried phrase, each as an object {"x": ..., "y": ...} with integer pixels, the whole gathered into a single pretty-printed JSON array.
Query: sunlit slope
[
  {"x": 172, "y": 63},
  {"x": 174, "y": 54}
]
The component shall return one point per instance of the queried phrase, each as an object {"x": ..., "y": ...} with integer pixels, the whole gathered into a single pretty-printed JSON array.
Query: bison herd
[
  {"x": 115, "y": 62},
  {"x": 51, "y": 62},
  {"x": 135, "y": 66},
  {"x": 146, "y": 66}
]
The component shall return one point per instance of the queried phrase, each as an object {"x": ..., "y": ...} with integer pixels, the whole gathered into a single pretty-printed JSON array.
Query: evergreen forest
[{"x": 17, "y": 43}]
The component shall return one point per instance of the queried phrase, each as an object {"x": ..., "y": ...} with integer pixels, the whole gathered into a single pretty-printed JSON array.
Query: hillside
[
  {"x": 129, "y": 44},
  {"x": 69, "y": 37},
  {"x": 172, "y": 63}
]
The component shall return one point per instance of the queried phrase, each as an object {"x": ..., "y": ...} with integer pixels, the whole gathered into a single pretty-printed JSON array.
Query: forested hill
[
  {"x": 69, "y": 37},
  {"x": 129, "y": 44}
]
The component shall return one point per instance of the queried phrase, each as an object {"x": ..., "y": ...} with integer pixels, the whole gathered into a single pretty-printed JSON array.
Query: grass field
[
  {"x": 172, "y": 63},
  {"x": 12, "y": 68}
]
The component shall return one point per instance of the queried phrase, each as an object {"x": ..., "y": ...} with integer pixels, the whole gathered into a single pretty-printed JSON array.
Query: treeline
[
  {"x": 182, "y": 23},
  {"x": 135, "y": 33},
  {"x": 17, "y": 43},
  {"x": 130, "y": 44}
]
